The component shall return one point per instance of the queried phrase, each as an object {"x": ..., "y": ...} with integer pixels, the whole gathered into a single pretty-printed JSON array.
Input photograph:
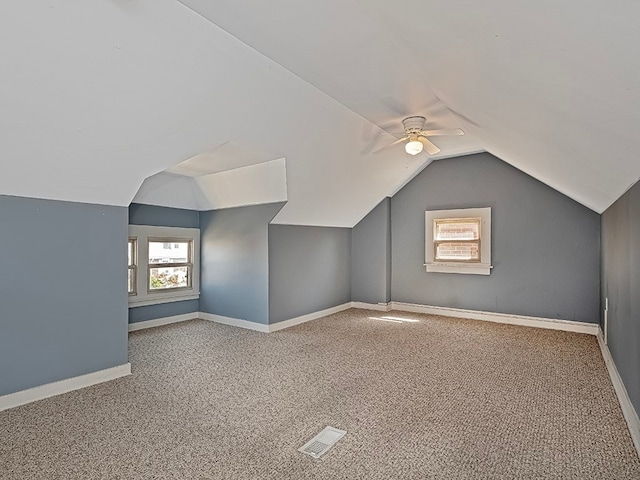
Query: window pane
[
  {"x": 454, "y": 229},
  {"x": 458, "y": 251},
  {"x": 168, "y": 277},
  {"x": 130, "y": 252},
  {"x": 163, "y": 252},
  {"x": 131, "y": 280}
]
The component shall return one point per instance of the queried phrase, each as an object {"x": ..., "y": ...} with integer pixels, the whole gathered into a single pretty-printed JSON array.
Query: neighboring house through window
[
  {"x": 166, "y": 264},
  {"x": 458, "y": 241},
  {"x": 169, "y": 268}
]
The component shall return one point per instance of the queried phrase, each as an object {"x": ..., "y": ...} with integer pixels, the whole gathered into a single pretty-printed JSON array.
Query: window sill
[
  {"x": 467, "y": 269},
  {"x": 166, "y": 298}
]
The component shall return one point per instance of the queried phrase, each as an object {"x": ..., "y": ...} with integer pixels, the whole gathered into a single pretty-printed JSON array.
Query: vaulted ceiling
[{"x": 97, "y": 96}]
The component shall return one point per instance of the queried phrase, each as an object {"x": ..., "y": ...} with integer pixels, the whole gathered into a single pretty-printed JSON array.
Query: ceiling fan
[{"x": 418, "y": 138}]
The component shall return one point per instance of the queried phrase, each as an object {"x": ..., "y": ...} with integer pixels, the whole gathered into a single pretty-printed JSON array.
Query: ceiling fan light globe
[{"x": 413, "y": 147}]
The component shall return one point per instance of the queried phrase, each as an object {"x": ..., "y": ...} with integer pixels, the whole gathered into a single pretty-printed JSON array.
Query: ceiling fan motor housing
[{"x": 413, "y": 125}]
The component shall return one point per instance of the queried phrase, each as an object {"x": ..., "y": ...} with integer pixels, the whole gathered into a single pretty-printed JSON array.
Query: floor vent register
[{"x": 321, "y": 443}]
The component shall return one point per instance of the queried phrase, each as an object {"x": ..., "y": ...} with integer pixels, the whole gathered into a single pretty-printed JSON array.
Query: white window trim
[
  {"x": 483, "y": 268},
  {"x": 133, "y": 266},
  {"x": 143, "y": 233}
]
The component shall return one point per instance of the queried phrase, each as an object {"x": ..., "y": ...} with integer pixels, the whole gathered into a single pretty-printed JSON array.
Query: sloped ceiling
[
  {"x": 98, "y": 96},
  {"x": 551, "y": 87}
]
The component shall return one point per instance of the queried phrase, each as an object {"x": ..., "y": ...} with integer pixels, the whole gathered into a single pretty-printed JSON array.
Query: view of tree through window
[{"x": 170, "y": 264}]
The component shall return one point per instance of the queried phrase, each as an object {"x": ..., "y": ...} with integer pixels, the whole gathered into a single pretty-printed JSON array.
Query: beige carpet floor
[{"x": 430, "y": 398}]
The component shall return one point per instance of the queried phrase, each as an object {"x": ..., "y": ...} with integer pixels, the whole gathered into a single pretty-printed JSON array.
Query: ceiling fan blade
[
  {"x": 444, "y": 131},
  {"x": 391, "y": 144},
  {"x": 428, "y": 146},
  {"x": 399, "y": 141}
]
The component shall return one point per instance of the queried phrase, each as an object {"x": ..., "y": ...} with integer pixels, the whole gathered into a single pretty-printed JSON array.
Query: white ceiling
[
  {"x": 264, "y": 182},
  {"x": 551, "y": 87},
  {"x": 226, "y": 156},
  {"x": 97, "y": 96}
]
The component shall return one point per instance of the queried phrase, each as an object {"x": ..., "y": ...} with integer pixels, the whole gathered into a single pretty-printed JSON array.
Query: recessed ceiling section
[
  {"x": 252, "y": 185},
  {"x": 264, "y": 182},
  {"x": 170, "y": 190},
  {"x": 226, "y": 156}
]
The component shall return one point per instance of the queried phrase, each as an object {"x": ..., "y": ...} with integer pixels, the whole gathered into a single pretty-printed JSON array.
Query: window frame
[
  {"x": 144, "y": 234},
  {"x": 133, "y": 265},
  {"x": 188, "y": 263},
  {"x": 456, "y": 220},
  {"x": 482, "y": 266}
]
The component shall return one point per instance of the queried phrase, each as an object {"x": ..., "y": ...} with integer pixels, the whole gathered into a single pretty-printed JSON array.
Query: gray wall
[
  {"x": 162, "y": 310},
  {"x": 371, "y": 256},
  {"x": 140, "y": 214},
  {"x": 545, "y": 246},
  {"x": 63, "y": 294},
  {"x": 234, "y": 269},
  {"x": 309, "y": 270},
  {"x": 621, "y": 284}
]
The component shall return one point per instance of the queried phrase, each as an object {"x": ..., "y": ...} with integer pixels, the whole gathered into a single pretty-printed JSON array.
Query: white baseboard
[
  {"x": 381, "y": 307},
  {"x": 156, "y": 322},
  {"x": 308, "y": 317},
  {"x": 629, "y": 413},
  {"x": 538, "y": 322},
  {"x": 63, "y": 386},
  {"x": 235, "y": 322},
  {"x": 522, "y": 320},
  {"x": 260, "y": 327}
]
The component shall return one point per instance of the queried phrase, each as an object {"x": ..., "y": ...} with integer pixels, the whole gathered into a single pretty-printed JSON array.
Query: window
[
  {"x": 132, "y": 266},
  {"x": 458, "y": 241},
  {"x": 165, "y": 264},
  {"x": 172, "y": 267}
]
